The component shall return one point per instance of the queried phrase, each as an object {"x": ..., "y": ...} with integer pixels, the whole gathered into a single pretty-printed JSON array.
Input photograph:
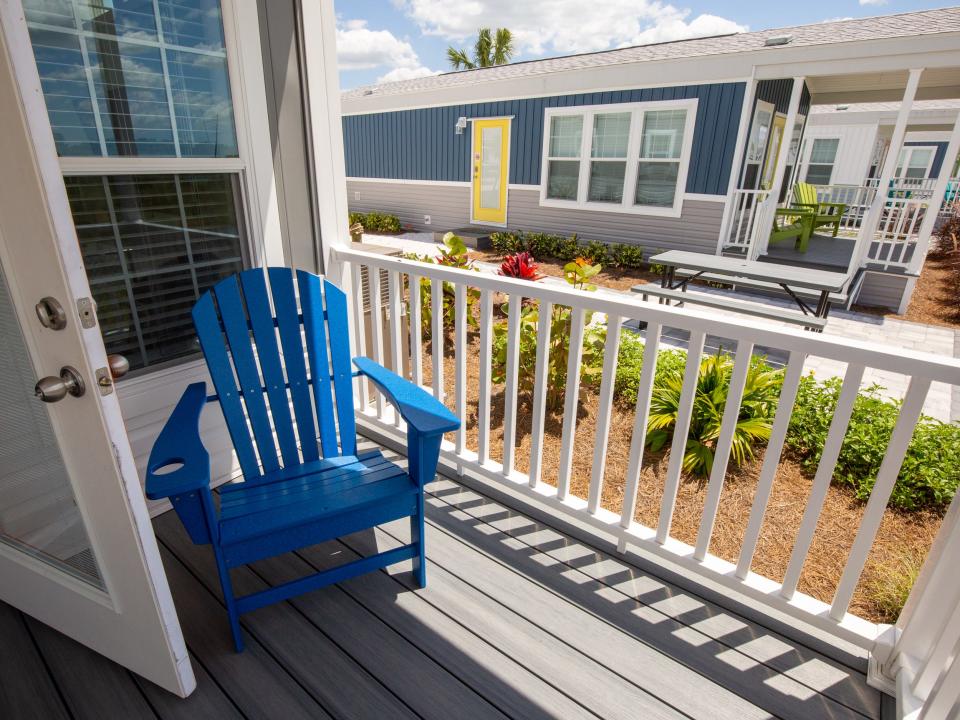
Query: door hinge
[{"x": 87, "y": 310}]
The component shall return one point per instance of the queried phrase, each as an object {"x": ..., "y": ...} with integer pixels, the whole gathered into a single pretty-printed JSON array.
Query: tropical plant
[
  {"x": 376, "y": 221},
  {"x": 454, "y": 254},
  {"x": 489, "y": 49},
  {"x": 760, "y": 396},
  {"x": 520, "y": 265}
]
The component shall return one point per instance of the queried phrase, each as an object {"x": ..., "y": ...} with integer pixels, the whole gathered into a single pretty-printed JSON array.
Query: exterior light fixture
[{"x": 461, "y": 125}]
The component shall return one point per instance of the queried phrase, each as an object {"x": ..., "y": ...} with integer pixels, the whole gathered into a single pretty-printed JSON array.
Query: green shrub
[
  {"x": 376, "y": 222},
  {"x": 452, "y": 254},
  {"x": 625, "y": 256},
  {"x": 596, "y": 251},
  {"x": 507, "y": 243},
  {"x": 656, "y": 268},
  {"x": 760, "y": 396},
  {"x": 930, "y": 473}
]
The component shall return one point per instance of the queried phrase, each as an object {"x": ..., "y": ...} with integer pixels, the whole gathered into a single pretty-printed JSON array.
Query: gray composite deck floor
[{"x": 518, "y": 620}]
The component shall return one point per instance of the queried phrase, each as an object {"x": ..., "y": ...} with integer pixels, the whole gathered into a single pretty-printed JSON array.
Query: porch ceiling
[{"x": 935, "y": 84}]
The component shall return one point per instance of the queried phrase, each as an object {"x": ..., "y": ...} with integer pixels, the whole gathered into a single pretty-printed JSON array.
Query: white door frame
[{"x": 134, "y": 620}]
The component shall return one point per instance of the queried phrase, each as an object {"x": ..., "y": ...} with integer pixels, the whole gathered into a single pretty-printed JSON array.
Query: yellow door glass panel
[
  {"x": 491, "y": 141},
  {"x": 773, "y": 151}
]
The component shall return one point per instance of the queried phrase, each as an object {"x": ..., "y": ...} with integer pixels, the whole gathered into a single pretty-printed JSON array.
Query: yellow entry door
[{"x": 490, "y": 161}]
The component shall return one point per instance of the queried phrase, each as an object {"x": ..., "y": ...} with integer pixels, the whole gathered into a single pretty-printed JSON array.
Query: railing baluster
[
  {"x": 416, "y": 335},
  {"x": 486, "y": 350},
  {"x": 610, "y": 350},
  {"x": 376, "y": 328},
  {"x": 460, "y": 360},
  {"x": 681, "y": 428},
  {"x": 436, "y": 335},
  {"x": 544, "y": 313},
  {"x": 396, "y": 346},
  {"x": 515, "y": 307},
  {"x": 771, "y": 460},
  {"x": 571, "y": 400},
  {"x": 821, "y": 481},
  {"x": 651, "y": 351},
  {"x": 359, "y": 332},
  {"x": 880, "y": 494},
  {"x": 721, "y": 455}
]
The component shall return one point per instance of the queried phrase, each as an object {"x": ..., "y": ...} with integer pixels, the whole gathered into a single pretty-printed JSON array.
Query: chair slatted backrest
[
  {"x": 805, "y": 193},
  {"x": 267, "y": 351}
]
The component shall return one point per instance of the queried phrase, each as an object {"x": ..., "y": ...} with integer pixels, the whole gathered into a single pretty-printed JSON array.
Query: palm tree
[{"x": 488, "y": 50}]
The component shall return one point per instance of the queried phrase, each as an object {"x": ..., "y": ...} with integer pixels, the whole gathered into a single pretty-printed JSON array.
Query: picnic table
[{"x": 792, "y": 279}]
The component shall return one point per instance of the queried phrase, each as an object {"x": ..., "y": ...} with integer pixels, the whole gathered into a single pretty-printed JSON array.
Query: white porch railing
[
  {"x": 745, "y": 219},
  {"x": 932, "y": 663},
  {"x": 895, "y": 242}
]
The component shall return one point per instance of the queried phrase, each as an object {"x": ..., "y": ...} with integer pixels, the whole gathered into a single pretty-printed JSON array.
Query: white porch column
[
  {"x": 938, "y": 193},
  {"x": 762, "y": 234},
  {"x": 869, "y": 224},
  {"x": 322, "y": 90},
  {"x": 736, "y": 166}
]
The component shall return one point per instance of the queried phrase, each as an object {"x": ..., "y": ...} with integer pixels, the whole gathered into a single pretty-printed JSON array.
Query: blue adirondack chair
[{"x": 300, "y": 486}]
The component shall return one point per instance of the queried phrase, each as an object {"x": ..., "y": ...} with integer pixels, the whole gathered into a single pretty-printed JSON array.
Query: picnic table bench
[{"x": 801, "y": 284}]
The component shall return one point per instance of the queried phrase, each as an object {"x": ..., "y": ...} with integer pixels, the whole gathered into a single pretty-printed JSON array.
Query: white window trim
[
  {"x": 259, "y": 212},
  {"x": 808, "y": 158},
  {"x": 633, "y": 156},
  {"x": 907, "y": 152}
]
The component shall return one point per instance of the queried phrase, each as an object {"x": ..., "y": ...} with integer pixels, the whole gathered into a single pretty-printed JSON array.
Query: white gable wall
[{"x": 853, "y": 152}]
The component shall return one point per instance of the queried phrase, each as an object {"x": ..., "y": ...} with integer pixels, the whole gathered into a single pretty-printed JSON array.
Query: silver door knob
[{"x": 54, "y": 389}]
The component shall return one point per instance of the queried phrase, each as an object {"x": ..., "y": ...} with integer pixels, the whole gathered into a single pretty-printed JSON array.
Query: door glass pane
[
  {"x": 38, "y": 512},
  {"x": 491, "y": 139},
  {"x": 824, "y": 150},
  {"x": 134, "y": 78},
  {"x": 759, "y": 131},
  {"x": 151, "y": 245},
  {"x": 563, "y": 176}
]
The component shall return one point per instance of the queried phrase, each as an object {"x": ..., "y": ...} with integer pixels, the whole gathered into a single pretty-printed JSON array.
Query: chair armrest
[
  {"x": 179, "y": 444},
  {"x": 841, "y": 207},
  {"x": 422, "y": 411}
]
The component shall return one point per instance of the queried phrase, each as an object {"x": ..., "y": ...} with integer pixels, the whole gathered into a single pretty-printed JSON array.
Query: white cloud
[
  {"x": 873, "y": 2},
  {"x": 565, "y": 26},
  {"x": 360, "y": 48},
  {"x": 404, "y": 73}
]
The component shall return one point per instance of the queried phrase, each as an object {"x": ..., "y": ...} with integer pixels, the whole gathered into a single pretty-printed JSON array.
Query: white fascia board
[
  {"x": 863, "y": 56},
  {"x": 929, "y": 137}
]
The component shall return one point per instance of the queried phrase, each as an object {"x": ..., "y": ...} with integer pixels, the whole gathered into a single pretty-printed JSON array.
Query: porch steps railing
[{"x": 619, "y": 523}]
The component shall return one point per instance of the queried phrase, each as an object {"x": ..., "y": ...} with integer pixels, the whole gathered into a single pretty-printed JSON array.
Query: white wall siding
[
  {"x": 853, "y": 152},
  {"x": 449, "y": 208},
  {"x": 882, "y": 289}
]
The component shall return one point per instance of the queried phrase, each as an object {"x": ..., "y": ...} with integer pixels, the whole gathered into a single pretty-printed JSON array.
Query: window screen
[{"x": 151, "y": 245}]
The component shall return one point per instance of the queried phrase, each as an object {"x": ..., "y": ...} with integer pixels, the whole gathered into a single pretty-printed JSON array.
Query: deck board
[{"x": 517, "y": 620}]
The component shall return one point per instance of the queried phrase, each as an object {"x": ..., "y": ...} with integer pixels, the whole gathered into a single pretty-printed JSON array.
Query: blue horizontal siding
[{"x": 421, "y": 144}]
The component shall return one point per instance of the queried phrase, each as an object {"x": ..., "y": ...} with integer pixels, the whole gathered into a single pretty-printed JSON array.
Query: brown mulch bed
[
  {"x": 903, "y": 540},
  {"x": 615, "y": 279}
]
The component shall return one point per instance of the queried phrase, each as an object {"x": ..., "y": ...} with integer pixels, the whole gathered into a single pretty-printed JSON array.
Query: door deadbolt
[
  {"x": 54, "y": 389},
  {"x": 51, "y": 314}
]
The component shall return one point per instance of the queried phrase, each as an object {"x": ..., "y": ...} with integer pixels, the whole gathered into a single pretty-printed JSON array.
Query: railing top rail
[{"x": 899, "y": 360}]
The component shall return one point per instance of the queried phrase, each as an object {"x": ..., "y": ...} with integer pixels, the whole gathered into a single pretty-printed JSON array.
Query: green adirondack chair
[
  {"x": 793, "y": 223},
  {"x": 826, "y": 214}
]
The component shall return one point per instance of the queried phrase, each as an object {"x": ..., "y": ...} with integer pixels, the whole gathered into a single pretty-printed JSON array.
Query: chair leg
[
  {"x": 228, "y": 598},
  {"x": 417, "y": 538}
]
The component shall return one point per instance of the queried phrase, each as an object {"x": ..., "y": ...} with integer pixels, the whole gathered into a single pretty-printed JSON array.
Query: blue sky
[{"x": 381, "y": 40}]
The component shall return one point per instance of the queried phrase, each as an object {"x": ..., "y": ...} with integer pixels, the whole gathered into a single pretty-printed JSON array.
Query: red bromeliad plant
[{"x": 520, "y": 265}]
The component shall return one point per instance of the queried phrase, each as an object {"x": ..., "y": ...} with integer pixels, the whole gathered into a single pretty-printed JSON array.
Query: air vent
[{"x": 777, "y": 40}]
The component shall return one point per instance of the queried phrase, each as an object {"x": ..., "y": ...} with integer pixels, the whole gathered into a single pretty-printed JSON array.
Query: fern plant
[{"x": 761, "y": 392}]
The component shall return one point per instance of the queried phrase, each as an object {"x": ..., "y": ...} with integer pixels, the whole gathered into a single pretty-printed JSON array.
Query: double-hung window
[
  {"x": 823, "y": 154},
  {"x": 915, "y": 162},
  {"x": 619, "y": 158},
  {"x": 140, "y": 105}
]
